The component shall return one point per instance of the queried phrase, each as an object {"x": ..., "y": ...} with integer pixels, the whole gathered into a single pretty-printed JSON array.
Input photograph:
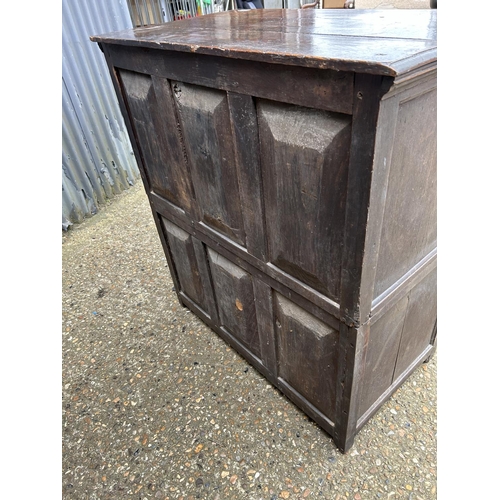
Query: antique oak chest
[{"x": 289, "y": 157}]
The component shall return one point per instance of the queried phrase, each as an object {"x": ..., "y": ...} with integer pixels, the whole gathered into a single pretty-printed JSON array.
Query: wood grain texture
[
  {"x": 419, "y": 323},
  {"x": 319, "y": 88},
  {"x": 380, "y": 357},
  {"x": 245, "y": 130},
  {"x": 206, "y": 128},
  {"x": 409, "y": 235},
  {"x": 265, "y": 314},
  {"x": 190, "y": 267},
  {"x": 306, "y": 354},
  {"x": 152, "y": 115},
  {"x": 235, "y": 300},
  {"x": 387, "y": 43},
  {"x": 305, "y": 155},
  {"x": 368, "y": 91}
]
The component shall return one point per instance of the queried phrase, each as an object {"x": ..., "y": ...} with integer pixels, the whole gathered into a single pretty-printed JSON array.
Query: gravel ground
[{"x": 156, "y": 406}]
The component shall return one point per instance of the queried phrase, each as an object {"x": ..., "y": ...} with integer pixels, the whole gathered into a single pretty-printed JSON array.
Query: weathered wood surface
[
  {"x": 296, "y": 205},
  {"x": 236, "y": 301},
  {"x": 316, "y": 88},
  {"x": 206, "y": 129},
  {"x": 306, "y": 350},
  {"x": 305, "y": 156},
  {"x": 409, "y": 235},
  {"x": 392, "y": 43}
]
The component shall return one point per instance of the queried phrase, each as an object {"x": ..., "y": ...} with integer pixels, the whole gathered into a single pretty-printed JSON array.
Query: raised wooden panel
[
  {"x": 306, "y": 354},
  {"x": 235, "y": 297},
  {"x": 206, "y": 127},
  {"x": 409, "y": 230},
  {"x": 381, "y": 354},
  {"x": 419, "y": 322},
  {"x": 305, "y": 154},
  {"x": 190, "y": 267},
  {"x": 156, "y": 129}
]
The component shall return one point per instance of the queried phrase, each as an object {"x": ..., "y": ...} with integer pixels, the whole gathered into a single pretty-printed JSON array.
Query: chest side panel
[{"x": 409, "y": 229}]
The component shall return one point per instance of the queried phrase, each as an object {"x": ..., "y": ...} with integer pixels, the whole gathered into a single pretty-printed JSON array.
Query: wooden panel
[
  {"x": 419, "y": 323},
  {"x": 305, "y": 155},
  {"x": 152, "y": 114},
  {"x": 206, "y": 127},
  {"x": 386, "y": 131},
  {"x": 380, "y": 355},
  {"x": 235, "y": 300},
  {"x": 409, "y": 228},
  {"x": 306, "y": 354},
  {"x": 189, "y": 262}
]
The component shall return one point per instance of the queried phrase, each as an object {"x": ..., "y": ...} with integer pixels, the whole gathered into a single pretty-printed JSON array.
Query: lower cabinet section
[
  {"x": 301, "y": 354},
  {"x": 287, "y": 340}
]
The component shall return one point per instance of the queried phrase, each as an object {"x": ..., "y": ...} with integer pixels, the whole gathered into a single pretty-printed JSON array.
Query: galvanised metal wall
[{"x": 97, "y": 157}]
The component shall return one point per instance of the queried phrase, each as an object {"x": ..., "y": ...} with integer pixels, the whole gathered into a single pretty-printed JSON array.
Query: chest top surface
[{"x": 384, "y": 42}]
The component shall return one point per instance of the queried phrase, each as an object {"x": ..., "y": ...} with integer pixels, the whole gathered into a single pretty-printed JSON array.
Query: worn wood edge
[
  {"x": 366, "y": 112},
  {"x": 403, "y": 286},
  {"x": 287, "y": 59},
  {"x": 350, "y": 351},
  {"x": 393, "y": 387},
  {"x": 409, "y": 71},
  {"x": 216, "y": 240},
  {"x": 382, "y": 158},
  {"x": 395, "y": 68}
]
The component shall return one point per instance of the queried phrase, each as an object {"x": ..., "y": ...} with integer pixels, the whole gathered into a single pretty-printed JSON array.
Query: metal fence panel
[{"x": 97, "y": 159}]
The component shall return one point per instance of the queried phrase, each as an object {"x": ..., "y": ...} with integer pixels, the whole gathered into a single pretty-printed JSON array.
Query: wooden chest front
[{"x": 295, "y": 200}]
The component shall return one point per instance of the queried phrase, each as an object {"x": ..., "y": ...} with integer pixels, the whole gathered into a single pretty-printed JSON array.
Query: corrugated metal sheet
[{"x": 97, "y": 159}]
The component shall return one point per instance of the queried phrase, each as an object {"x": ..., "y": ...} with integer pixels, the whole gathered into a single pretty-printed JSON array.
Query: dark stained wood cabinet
[{"x": 290, "y": 160}]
